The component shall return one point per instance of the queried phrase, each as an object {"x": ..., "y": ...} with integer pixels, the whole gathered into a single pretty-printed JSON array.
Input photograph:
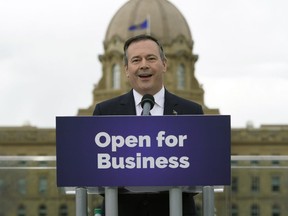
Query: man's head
[{"x": 145, "y": 64}]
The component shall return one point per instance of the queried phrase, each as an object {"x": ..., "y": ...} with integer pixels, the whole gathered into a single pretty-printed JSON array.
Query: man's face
[{"x": 145, "y": 68}]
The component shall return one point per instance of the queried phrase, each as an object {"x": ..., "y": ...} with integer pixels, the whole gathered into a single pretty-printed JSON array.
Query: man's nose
[{"x": 144, "y": 64}]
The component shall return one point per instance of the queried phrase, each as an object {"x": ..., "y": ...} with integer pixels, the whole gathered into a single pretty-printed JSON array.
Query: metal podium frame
[{"x": 175, "y": 201}]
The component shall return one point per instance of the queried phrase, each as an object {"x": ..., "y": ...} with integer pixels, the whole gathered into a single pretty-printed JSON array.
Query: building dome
[
  {"x": 165, "y": 21},
  {"x": 161, "y": 19}
]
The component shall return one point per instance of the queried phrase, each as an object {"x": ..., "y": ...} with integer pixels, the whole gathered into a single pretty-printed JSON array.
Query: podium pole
[
  {"x": 175, "y": 201},
  {"x": 208, "y": 201},
  {"x": 111, "y": 201},
  {"x": 81, "y": 201}
]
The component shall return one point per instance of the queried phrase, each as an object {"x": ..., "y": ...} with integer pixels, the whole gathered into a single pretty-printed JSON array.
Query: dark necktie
[{"x": 142, "y": 113}]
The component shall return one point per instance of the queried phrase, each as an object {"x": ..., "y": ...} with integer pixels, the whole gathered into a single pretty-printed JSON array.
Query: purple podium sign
[{"x": 183, "y": 150}]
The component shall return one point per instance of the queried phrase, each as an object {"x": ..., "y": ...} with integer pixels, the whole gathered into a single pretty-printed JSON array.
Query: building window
[
  {"x": 22, "y": 186},
  {"x": 255, "y": 184},
  {"x": 275, "y": 162},
  {"x": 43, "y": 163},
  {"x": 275, "y": 183},
  {"x": 43, "y": 185},
  {"x": 276, "y": 210},
  {"x": 116, "y": 76},
  {"x": 1, "y": 186},
  {"x": 63, "y": 210},
  {"x": 234, "y": 184},
  {"x": 21, "y": 211},
  {"x": 22, "y": 162},
  {"x": 234, "y": 210},
  {"x": 255, "y": 211},
  {"x": 181, "y": 77},
  {"x": 42, "y": 210},
  {"x": 254, "y": 162}
]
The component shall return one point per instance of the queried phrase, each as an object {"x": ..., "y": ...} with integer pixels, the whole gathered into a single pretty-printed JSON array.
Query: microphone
[{"x": 147, "y": 103}]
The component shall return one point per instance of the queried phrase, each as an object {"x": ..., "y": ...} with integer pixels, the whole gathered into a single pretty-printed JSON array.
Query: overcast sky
[{"x": 49, "y": 57}]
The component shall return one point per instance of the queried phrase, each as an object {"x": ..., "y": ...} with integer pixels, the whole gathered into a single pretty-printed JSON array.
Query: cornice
[
  {"x": 33, "y": 135},
  {"x": 260, "y": 135},
  {"x": 27, "y": 135}
]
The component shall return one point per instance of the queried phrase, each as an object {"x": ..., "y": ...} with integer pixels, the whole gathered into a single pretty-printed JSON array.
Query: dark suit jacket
[
  {"x": 149, "y": 204},
  {"x": 125, "y": 105}
]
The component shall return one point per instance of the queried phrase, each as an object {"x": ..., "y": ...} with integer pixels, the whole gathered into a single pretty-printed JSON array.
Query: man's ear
[{"x": 165, "y": 65}]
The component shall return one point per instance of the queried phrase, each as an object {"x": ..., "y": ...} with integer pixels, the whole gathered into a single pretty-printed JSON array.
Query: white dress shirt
[{"x": 158, "y": 108}]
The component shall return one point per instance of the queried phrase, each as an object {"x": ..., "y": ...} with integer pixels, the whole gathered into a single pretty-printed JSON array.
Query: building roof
[{"x": 164, "y": 20}]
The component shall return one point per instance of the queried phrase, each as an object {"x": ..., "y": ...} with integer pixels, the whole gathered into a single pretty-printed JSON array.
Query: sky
[{"x": 49, "y": 57}]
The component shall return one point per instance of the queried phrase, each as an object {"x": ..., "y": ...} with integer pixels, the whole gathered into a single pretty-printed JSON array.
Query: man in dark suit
[{"x": 145, "y": 65}]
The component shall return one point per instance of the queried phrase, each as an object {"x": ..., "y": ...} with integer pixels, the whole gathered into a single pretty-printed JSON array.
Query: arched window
[
  {"x": 42, "y": 210},
  {"x": 234, "y": 210},
  {"x": 255, "y": 184},
  {"x": 63, "y": 210},
  {"x": 234, "y": 184},
  {"x": 276, "y": 210},
  {"x": 21, "y": 211},
  {"x": 255, "y": 211},
  {"x": 22, "y": 186},
  {"x": 116, "y": 76},
  {"x": 43, "y": 185},
  {"x": 181, "y": 77},
  {"x": 275, "y": 183}
]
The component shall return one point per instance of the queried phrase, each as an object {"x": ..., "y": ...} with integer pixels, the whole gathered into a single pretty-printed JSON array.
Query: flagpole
[{"x": 148, "y": 29}]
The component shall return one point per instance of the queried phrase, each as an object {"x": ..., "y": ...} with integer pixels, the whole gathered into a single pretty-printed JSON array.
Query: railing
[{"x": 28, "y": 187}]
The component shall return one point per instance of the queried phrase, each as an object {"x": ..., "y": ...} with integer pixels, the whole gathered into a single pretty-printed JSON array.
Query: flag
[{"x": 143, "y": 25}]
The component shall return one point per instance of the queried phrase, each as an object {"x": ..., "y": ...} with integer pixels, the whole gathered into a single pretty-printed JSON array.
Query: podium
[{"x": 171, "y": 153}]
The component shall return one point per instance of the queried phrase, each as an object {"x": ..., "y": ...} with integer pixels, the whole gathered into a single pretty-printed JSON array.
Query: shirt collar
[
  {"x": 158, "y": 97},
  {"x": 137, "y": 97}
]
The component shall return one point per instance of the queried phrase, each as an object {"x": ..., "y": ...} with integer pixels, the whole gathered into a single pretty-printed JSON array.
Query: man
[{"x": 145, "y": 65}]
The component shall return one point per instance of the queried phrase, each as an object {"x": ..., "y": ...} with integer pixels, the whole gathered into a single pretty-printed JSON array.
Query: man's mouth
[{"x": 145, "y": 75}]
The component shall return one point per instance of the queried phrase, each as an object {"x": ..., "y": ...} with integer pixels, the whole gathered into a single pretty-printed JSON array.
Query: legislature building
[{"x": 259, "y": 164}]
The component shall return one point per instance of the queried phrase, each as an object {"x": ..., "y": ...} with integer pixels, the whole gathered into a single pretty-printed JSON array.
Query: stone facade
[{"x": 31, "y": 141}]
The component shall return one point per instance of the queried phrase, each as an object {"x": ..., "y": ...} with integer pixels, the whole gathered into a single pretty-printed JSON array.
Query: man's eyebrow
[
  {"x": 133, "y": 57},
  {"x": 146, "y": 56}
]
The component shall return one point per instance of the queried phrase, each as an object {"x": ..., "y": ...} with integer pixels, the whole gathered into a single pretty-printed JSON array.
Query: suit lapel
[
  {"x": 127, "y": 104},
  {"x": 169, "y": 104}
]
